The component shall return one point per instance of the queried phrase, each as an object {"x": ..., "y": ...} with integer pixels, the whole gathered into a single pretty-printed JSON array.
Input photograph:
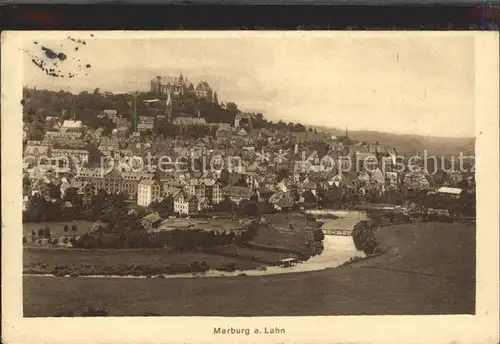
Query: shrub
[
  {"x": 204, "y": 266},
  {"x": 364, "y": 239},
  {"x": 352, "y": 260},
  {"x": 229, "y": 267}
]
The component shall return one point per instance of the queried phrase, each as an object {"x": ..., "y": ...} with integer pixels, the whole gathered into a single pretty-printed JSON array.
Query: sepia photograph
[{"x": 251, "y": 175}]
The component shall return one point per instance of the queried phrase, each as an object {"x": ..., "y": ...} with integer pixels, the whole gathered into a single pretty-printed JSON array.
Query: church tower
[{"x": 168, "y": 107}]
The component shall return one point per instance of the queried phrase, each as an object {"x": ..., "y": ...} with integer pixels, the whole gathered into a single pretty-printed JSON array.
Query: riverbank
[
  {"x": 337, "y": 250},
  {"x": 225, "y": 261},
  {"x": 229, "y": 260},
  {"x": 430, "y": 270}
]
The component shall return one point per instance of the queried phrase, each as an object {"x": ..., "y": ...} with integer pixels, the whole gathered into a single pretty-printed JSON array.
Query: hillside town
[
  {"x": 214, "y": 157},
  {"x": 143, "y": 202}
]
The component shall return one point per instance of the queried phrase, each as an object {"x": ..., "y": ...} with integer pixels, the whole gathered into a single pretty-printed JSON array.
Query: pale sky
[{"x": 416, "y": 85}]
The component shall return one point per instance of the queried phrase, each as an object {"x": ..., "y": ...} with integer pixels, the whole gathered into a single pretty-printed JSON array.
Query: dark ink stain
[
  {"x": 91, "y": 35},
  {"x": 49, "y": 61},
  {"x": 49, "y": 53},
  {"x": 79, "y": 41}
]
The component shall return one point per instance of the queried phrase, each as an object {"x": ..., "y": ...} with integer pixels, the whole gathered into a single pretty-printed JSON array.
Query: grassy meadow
[
  {"x": 119, "y": 262},
  {"x": 430, "y": 270}
]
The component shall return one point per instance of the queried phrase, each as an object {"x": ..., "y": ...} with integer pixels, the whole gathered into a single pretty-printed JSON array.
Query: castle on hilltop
[{"x": 180, "y": 86}]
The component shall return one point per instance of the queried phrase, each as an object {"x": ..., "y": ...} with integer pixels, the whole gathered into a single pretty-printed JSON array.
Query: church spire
[{"x": 346, "y": 132}]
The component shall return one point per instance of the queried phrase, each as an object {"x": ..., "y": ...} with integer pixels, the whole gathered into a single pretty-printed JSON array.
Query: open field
[
  {"x": 286, "y": 231},
  {"x": 88, "y": 262},
  {"x": 430, "y": 270}
]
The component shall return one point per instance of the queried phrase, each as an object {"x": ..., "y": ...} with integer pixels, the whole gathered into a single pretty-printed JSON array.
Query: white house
[
  {"x": 69, "y": 125},
  {"x": 453, "y": 192},
  {"x": 185, "y": 204},
  {"x": 148, "y": 191}
]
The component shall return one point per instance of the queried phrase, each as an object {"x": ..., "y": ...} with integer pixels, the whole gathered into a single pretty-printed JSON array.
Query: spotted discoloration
[
  {"x": 51, "y": 54},
  {"x": 60, "y": 62},
  {"x": 79, "y": 41}
]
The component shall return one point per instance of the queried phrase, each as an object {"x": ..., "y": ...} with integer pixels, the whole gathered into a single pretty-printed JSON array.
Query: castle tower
[{"x": 156, "y": 85}]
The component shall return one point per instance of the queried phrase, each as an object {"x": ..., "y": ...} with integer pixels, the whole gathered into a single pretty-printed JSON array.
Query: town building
[
  {"x": 114, "y": 182},
  {"x": 110, "y": 113},
  {"x": 450, "y": 192},
  {"x": 51, "y": 134},
  {"x": 184, "y": 121},
  {"x": 151, "y": 221},
  {"x": 282, "y": 200},
  {"x": 171, "y": 190},
  {"x": 224, "y": 131},
  {"x": 70, "y": 125},
  {"x": 416, "y": 180},
  {"x": 176, "y": 86},
  {"x": 145, "y": 123},
  {"x": 122, "y": 127},
  {"x": 36, "y": 149},
  {"x": 74, "y": 156},
  {"x": 307, "y": 137},
  {"x": 391, "y": 179},
  {"x": 243, "y": 119},
  {"x": 149, "y": 190},
  {"x": 213, "y": 191},
  {"x": 196, "y": 188},
  {"x": 185, "y": 204},
  {"x": 237, "y": 193},
  {"x": 109, "y": 148},
  {"x": 264, "y": 194},
  {"x": 204, "y": 91}
]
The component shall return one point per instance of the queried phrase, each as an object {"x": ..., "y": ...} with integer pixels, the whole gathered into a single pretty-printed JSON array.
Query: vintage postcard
[{"x": 244, "y": 187}]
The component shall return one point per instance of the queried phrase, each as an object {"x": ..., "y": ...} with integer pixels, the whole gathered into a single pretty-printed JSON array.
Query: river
[{"x": 337, "y": 250}]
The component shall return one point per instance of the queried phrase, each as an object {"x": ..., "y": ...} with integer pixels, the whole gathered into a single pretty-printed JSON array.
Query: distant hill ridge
[{"x": 405, "y": 143}]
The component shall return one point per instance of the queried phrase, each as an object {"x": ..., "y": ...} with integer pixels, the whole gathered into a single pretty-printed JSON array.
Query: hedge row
[{"x": 120, "y": 270}]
